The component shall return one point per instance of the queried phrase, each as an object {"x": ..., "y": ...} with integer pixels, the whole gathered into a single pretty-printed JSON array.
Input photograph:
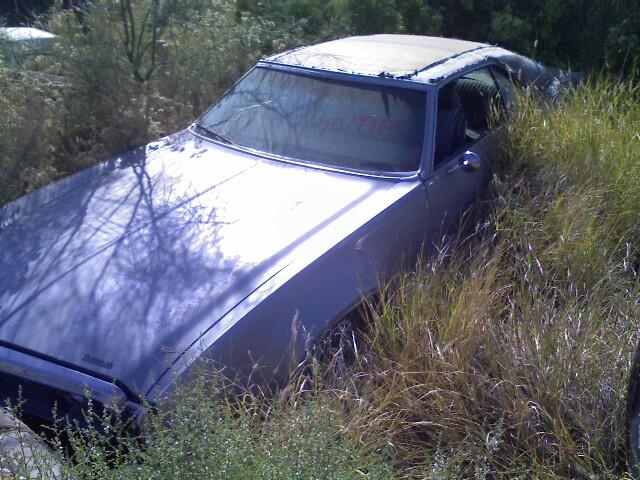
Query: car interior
[{"x": 466, "y": 109}]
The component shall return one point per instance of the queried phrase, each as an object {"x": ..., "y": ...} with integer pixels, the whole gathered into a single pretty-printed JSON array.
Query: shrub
[
  {"x": 202, "y": 435},
  {"x": 122, "y": 74},
  {"x": 28, "y": 125}
]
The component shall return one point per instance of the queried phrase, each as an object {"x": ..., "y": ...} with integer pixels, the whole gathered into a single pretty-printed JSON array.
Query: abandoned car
[
  {"x": 293, "y": 197},
  {"x": 633, "y": 415}
]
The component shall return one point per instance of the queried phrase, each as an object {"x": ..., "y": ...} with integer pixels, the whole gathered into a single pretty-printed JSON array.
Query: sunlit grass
[{"x": 510, "y": 356}]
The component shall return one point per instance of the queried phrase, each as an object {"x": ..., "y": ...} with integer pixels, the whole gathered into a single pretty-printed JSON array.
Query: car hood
[{"x": 118, "y": 269}]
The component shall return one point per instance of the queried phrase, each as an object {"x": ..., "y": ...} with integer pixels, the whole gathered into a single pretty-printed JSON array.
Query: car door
[{"x": 467, "y": 120}]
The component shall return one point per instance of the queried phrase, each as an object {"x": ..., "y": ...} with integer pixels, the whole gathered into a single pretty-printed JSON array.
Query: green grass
[{"x": 202, "y": 436}]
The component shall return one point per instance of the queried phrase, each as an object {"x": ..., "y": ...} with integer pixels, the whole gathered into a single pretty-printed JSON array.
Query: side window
[
  {"x": 467, "y": 109},
  {"x": 508, "y": 89},
  {"x": 480, "y": 99}
]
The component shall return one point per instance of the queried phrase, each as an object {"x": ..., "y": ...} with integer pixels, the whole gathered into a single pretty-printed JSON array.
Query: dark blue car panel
[{"x": 122, "y": 274}]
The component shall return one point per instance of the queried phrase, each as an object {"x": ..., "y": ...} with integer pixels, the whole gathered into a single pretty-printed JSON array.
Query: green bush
[
  {"x": 123, "y": 73},
  {"x": 203, "y": 436},
  {"x": 28, "y": 127}
]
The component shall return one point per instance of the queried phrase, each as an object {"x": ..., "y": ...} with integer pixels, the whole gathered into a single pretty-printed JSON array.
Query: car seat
[
  {"x": 477, "y": 98},
  {"x": 451, "y": 123}
]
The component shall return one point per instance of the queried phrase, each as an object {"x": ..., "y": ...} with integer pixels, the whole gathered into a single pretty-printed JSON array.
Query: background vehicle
[
  {"x": 633, "y": 415},
  {"x": 293, "y": 197},
  {"x": 27, "y": 36}
]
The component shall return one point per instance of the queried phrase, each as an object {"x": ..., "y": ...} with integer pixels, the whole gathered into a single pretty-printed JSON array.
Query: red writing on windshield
[{"x": 361, "y": 122}]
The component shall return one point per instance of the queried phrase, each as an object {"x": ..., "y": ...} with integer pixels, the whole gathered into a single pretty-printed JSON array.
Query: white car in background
[{"x": 27, "y": 37}]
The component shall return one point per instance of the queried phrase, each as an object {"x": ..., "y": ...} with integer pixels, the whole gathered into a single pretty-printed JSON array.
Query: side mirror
[{"x": 470, "y": 161}]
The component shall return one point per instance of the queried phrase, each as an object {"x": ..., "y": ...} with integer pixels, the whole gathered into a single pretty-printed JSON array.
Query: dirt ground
[{"x": 22, "y": 453}]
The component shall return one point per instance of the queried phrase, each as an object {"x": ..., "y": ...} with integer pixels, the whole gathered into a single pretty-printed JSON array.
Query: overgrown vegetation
[
  {"x": 583, "y": 34},
  {"x": 509, "y": 358},
  {"x": 122, "y": 74},
  {"x": 505, "y": 357},
  {"x": 204, "y": 436}
]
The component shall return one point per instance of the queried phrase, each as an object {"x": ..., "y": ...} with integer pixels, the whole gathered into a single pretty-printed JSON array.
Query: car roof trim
[
  {"x": 391, "y": 56},
  {"x": 456, "y": 65}
]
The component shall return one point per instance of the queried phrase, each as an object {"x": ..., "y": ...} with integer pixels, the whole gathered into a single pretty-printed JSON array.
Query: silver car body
[{"x": 115, "y": 280}]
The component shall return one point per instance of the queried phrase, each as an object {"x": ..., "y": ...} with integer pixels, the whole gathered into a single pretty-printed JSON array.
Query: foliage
[
  {"x": 27, "y": 130},
  {"x": 205, "y": 433},
  {"x": 374, "y": 16},
  {"x": 581, "y": 34},
  {"x": 142, "y": 26},
  {"x": 122, "y": 74}
]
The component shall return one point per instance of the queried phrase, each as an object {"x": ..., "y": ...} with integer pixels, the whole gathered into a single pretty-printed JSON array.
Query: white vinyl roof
[{"x": 395, "y": 55}]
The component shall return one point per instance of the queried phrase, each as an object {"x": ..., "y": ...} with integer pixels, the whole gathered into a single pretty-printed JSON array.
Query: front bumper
[{"x": 36, "y": 386}]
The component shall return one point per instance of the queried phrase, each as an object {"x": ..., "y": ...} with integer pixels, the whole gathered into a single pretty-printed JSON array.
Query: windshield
[{"x": 342, "y": 124}]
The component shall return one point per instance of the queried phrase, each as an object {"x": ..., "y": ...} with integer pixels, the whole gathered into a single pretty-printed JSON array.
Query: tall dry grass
[{"x": 507, "y": 357}]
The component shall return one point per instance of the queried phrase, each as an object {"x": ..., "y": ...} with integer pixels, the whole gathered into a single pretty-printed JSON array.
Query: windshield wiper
[{"x": 214, "y": 135}]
